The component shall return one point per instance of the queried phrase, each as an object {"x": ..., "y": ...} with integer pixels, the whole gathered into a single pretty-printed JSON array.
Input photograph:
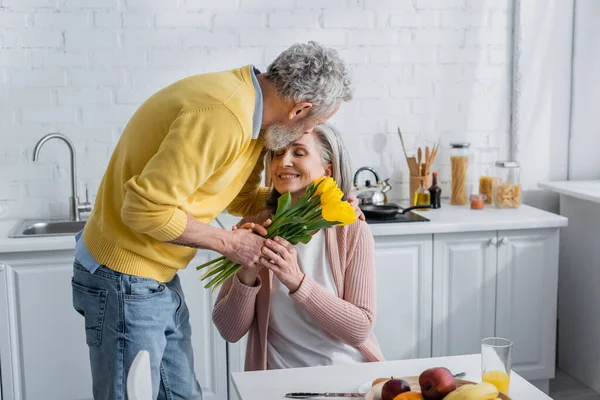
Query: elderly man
[{"x": 190, "y": 151}]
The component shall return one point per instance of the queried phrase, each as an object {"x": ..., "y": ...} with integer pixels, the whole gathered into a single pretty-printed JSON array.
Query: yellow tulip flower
[
  {"x": 332, "y": 195},
  {"x": 327, "y": 184},
  {"x": 340, "y": 211}
]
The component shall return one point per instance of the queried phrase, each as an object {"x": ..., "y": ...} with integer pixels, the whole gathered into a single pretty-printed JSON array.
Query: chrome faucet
[{"x": 75, "y": 207}]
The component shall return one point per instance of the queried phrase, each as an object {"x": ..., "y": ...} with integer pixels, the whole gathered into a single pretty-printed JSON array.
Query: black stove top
[{"x": 407, "y": 217}]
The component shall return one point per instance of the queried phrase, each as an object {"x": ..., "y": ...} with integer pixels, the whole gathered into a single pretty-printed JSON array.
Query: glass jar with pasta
[
  {"x": 506, "y": 185},
  {"x": 459, "y": 166}
]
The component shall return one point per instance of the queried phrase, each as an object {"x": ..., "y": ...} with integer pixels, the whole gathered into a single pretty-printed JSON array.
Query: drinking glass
[{"x": 496, "y": 362}]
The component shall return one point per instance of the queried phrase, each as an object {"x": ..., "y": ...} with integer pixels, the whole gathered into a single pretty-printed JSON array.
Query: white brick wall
[{"x": 439, "y": 69}]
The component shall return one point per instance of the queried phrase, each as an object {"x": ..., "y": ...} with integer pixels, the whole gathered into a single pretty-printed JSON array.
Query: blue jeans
[{"x": 125, "y": 314}]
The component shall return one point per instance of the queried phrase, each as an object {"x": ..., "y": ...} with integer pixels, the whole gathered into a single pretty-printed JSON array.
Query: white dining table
[{"x": 274, "y": 384}]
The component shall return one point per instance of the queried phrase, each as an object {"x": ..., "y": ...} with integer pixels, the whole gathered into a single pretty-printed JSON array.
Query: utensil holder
[{"x": 415, "y": 182}]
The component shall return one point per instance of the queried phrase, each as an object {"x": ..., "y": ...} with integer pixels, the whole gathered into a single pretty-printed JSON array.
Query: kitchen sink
[{"x": 32, "y": 228}]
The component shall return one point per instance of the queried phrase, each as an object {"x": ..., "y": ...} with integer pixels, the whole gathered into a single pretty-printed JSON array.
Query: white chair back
[{"x": 139, "y": 379}]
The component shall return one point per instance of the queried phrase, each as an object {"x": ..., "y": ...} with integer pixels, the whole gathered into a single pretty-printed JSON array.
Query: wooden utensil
[
  {"x": 419, "y": 158},
  {"x": 402, "y": 141},
  {"x": 429, "y": 159},
  {"x": 413, "y": 167},
  {"x": 434, "y": 153}
]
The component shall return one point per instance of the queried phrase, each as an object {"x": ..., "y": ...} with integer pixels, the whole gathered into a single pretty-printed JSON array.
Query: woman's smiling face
[{"x": 298, "y": 165}]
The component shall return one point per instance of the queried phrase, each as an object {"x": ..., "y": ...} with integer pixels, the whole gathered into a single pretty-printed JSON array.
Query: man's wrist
[
  {"x": 221, "y": 242},
  {"x": 202, "y": 236}
]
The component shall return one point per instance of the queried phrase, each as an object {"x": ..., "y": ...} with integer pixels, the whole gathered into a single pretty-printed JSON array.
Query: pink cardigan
[{"x": 349, "y": 316}]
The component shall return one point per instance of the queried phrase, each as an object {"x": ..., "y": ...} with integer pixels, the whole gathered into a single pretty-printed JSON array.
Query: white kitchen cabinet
[
  {"x": 42, "y": 340},
  {"x": 40, "y": 332},
  {"x": 404, "y": 282},
  {"x": 527, "y": 290},
  {"x": 498, "y": 283},
  {"x": 464, "y": 292}
]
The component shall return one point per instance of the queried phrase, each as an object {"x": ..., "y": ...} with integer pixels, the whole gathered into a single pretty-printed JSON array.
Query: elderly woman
[{"x": 312, "y": 304}]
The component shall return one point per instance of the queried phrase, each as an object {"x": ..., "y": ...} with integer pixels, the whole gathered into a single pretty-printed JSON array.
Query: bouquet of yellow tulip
[{"x": 320, "y": 207}]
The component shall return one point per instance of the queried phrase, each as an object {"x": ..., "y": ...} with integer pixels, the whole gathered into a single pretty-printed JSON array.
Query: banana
[
  {"x": 480, "y": 391},
  {"x": 459, "y": 393}
]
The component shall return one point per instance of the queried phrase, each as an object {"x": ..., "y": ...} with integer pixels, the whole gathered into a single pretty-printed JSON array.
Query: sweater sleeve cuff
[
  {"x": 304, "y": 290},
  {"x": 239, "y": 289},
  {"x": 172, "y": 229}
]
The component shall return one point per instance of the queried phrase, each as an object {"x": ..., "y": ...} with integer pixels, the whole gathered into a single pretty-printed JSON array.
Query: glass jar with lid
[
  {"x": 506, "y": 185},
  {"x": 486, "y": 164},
  {"x": 459, "y": 173}
]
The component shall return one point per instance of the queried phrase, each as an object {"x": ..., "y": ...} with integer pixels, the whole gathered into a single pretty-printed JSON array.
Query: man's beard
[{"x": 277, "y": 136}]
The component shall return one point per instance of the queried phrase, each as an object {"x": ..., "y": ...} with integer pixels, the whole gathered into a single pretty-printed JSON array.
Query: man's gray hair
[{"x": 309, "y": 72}]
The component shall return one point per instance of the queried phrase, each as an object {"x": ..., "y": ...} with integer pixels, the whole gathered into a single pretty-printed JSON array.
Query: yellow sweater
[{"x": 187, "y": 150}]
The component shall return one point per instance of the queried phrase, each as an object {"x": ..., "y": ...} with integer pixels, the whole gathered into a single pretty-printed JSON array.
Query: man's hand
[
  {"x": 247, "y": 274},
  {"x": 244, "y": 247},
  {"x": 353, "y": 200},
  {"x": 241, "y": 246}
]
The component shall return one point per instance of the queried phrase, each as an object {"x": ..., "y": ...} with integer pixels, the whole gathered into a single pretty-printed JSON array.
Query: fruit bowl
[{"x": 374, "y": 393}]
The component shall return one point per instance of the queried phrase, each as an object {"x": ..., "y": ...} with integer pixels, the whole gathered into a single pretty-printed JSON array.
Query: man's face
[{"x": 281, "y": 134}]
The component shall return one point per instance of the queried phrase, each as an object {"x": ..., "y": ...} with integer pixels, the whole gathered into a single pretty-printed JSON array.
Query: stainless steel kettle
[{"x": 371, "y": 194}]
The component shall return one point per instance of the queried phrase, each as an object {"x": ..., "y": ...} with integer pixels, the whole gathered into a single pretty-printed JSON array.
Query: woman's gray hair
[
  {"x": 333, "y": 151},
  {"x": 309, "y": 72}
]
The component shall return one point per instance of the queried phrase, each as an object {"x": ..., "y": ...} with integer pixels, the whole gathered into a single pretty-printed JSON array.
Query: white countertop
[
  {"x": 449, "y": 219},
  {"x": 273, "y": 385},
  {"x": 585, "y": 190},
  {"x": 444, "y": 220}
]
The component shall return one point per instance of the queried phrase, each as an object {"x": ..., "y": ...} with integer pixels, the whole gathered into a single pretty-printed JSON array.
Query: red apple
[
  {"x": 393, "y": 388},
  {"x": 436, "y": 383}
]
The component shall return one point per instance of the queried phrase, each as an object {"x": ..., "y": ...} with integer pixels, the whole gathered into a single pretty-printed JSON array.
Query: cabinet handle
[
  {"x": 2, "y": 266},
  {"x": 493, "y": 242},
  {"x": 504, "y": 240}
]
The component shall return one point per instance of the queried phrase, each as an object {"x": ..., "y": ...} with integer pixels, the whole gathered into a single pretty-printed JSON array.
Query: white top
[
  {"x": 295, "y": 339},
  {"x": 273, "y": 385},
  {"x": 585, "y": 190}
]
